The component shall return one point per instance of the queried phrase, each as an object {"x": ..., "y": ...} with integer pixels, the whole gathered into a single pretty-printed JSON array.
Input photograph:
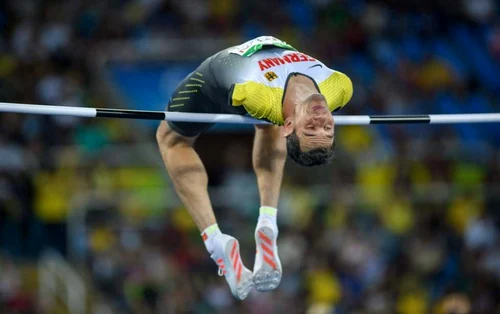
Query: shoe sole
[
  {"x": 245, "y": 285},
  {"x": 267, "y": 278}
]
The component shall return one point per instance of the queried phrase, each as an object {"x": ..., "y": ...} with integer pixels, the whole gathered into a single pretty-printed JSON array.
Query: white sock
[
  {"x": 208, "y": 235},
  {"x": 268, "y": 213}
]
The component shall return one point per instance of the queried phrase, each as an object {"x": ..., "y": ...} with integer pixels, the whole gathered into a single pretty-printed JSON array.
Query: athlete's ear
[{"x": 288, "y": 127}]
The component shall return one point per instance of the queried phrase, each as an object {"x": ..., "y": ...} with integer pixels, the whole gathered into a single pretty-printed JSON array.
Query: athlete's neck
[{"x": 299, "y": 87}]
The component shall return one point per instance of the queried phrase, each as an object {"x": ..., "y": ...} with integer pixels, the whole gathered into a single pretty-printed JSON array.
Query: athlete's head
[{"x": 310, "y": 132}]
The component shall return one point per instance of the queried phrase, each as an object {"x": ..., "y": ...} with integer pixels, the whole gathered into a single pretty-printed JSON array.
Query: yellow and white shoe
[
  {"x": 227, "y": 257},
  {"x": 267, "y": 269}
]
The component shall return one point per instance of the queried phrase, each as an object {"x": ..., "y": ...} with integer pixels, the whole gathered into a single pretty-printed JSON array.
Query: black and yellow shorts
[{"x": 194, "y": 94}]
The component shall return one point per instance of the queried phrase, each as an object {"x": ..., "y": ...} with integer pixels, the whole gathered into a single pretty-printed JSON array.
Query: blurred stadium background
[{"x": 405, "y": 221}]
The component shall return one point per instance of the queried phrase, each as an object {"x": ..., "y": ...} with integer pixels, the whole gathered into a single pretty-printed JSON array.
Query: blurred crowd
[
  {"x": 405, "y": 221},
  {"x": 14, "y": 297}
]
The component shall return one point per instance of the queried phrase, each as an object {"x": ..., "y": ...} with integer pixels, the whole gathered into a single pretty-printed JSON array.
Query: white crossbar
[{"x": 239, "y": 119}]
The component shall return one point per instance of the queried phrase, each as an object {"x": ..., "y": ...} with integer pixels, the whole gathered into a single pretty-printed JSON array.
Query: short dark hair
[{"x": 314, "y": 157}]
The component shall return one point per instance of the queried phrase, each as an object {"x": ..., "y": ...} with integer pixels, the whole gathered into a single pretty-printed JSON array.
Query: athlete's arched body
[{"x": 267, "y": 79}]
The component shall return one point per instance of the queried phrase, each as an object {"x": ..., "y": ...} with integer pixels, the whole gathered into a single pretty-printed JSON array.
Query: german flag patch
[{"x": 270, "y": 76}]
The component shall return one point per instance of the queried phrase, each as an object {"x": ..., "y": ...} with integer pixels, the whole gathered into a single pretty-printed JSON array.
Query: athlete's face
[{"x": 313, "y": 124}]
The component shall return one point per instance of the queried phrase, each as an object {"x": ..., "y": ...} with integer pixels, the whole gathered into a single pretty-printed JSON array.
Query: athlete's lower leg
[
  {"x": 191, "y": 182},
  {"x": 269, "y": 155}
]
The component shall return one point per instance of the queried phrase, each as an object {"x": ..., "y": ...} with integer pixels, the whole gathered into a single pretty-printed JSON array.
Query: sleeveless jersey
[{"x": 251, "y": 79}]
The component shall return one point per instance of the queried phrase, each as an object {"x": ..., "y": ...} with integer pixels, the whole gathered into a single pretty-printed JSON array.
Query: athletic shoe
[
  {"x": 227, "y": 257},
  {"x": 267, "y": 270}
]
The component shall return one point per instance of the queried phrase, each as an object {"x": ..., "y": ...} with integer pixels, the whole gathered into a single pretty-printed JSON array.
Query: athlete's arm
[
  {"x": 269, "y": 155},
  {"x": 187, "y": 173}
]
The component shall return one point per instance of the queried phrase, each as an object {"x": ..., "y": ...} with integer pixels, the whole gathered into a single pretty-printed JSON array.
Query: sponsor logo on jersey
[
  {"x": 289, "y": 58},
  {"x": 270, "y": 76},
  {"x": 316, "y": 65}
]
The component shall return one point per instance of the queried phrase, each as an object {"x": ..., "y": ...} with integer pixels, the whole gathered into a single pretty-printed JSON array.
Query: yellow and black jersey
[{"x": 251, "y": 79}]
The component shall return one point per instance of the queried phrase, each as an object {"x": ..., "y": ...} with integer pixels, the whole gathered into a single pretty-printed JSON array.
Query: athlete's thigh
[{"x": 170, "y": 137}]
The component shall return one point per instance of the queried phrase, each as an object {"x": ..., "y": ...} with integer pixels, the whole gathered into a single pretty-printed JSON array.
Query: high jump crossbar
[{"x": 238, "y": 119}]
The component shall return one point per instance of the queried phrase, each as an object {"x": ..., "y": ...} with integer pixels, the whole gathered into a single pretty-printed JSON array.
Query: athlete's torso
[
  {"x": 251, "y": 79},
  {"x": 254, "y": 82},
  {"x": 269, "y": 66}
]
